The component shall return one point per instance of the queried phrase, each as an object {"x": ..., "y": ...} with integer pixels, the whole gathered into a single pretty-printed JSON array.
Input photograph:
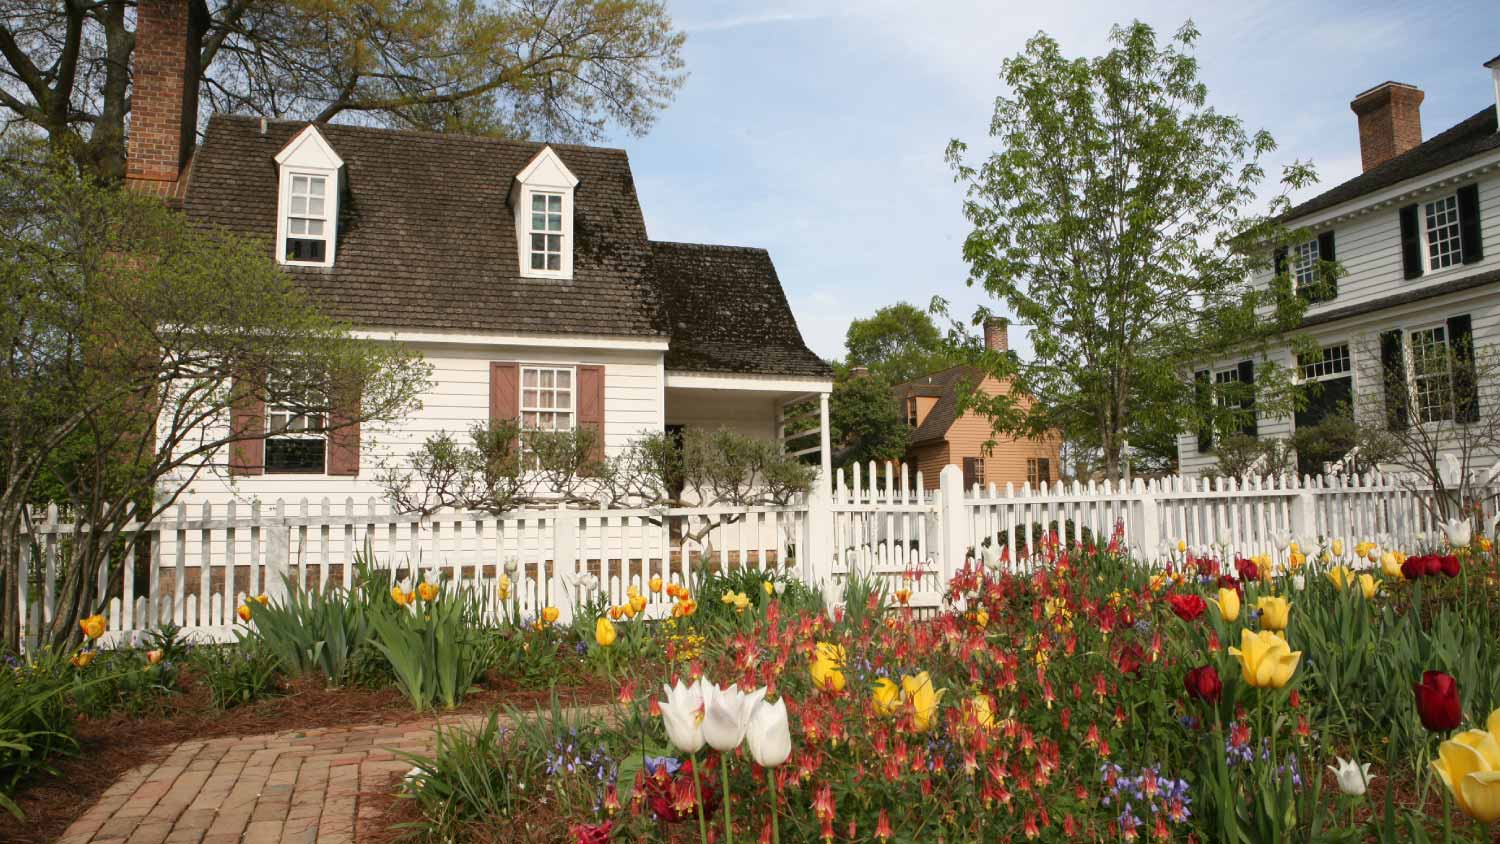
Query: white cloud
[{"x": 740, "y": 21}]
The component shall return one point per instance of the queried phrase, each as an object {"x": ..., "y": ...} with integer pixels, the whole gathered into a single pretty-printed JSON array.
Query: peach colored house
[{"x": 941, "y": 435}]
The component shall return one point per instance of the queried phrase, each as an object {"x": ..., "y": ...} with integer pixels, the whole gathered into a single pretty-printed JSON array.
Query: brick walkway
[{"x": 292, "y": 787}]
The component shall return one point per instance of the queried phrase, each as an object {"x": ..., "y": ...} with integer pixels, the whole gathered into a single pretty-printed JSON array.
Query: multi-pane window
[
  {"x": 1222, "y": 379},
  {"x": 547, "y": 398},
  {"x": 911, "y": 412},
  {"x": 1334, "y": 361},
  {"x": 1305, "y": 264},
  {"x": 296, "y": 441},
  {"x": 1431, "y": 381},
  {"x": 307, "y": 223},
  {"x": 1444, "y": 244},
  {"x": 546, "y": 231},
  {"x": 1038, "y": 469}
]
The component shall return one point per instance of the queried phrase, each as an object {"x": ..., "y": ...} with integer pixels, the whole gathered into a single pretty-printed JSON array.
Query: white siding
[
  {"x": 744, "y": 413},
  {"x": 459, "y": 398}
]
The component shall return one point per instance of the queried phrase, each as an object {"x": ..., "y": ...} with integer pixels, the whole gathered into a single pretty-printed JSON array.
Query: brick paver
[{"x": 294, "y": 786}]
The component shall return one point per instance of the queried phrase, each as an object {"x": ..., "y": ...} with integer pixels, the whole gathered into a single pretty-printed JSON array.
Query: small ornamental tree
[
  {"x": 129, "y": 336},
  {"x": 1114, "y": 220}
]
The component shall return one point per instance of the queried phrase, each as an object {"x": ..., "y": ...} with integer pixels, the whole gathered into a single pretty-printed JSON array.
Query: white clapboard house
[{"x": 1418, "y": 236}]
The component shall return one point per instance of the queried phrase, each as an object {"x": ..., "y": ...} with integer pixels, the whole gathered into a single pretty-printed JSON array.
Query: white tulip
[
  {"x": 769, "y": 738},
  {"x": 1460, "y": 532},
  {"x": 1353, "y": 779},
  {"x": 1283, "y": 539},
  {"x": 780, "y": 587},
  {"x": 726, "y": 715},
  {"x": 1299, "y": 582},
  {"x": 1224, "y": 539},
  {"x": 512, "y": 566},
  {"x": 990, "y": 555},
  {"x": 682, "y": 715}
]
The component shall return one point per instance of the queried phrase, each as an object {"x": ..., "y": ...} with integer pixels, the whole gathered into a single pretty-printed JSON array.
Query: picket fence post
[
  {"x": 563, "y": 593},
  {"x": 277, "y": 539},
  {"x": 817, "y": 567},
  {"x": 1304, "y": 516},
  {"x": 953, "y": 531},
  {"x": 1147, "y": 530}
]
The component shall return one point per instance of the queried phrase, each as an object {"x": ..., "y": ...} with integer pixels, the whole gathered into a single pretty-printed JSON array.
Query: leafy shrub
[
  {"x": 122, "y": 680},
  {"x": 529, "y": 657},
  {"x": 435, "y": 648},
  {"x": 36, "y": 718},
  {"x": 238, "y": 674},
  {"x": 314, "y": 630}
]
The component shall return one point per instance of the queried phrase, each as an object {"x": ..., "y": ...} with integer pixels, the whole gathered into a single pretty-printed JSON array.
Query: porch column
[{"x": 825, "y": 447}]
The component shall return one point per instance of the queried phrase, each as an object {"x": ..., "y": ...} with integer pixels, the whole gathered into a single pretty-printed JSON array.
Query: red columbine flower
[
  {"x": 1129, "y": 659},
  {"x": 822, "y": 804},
  {"x": 627, "y": 693},
  {"x": 1203, "y": 683},
  {"x": 1438, "y": 703},
  {"x": 591, "y": 833},
  {"x": 1187, "y": 607},
  {"x": 883, "y": 826}
]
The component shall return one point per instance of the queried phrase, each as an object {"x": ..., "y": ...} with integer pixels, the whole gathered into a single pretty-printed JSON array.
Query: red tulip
[
  {"x": 591, "y": 833},
  {"x": 1203, "y": 683},
  {"x": 1187, "y": 607},
  {"x": 1247, "y": 569},
  {"x": 1448, "y": 565},
  {"x": 1438, "y": 703}
]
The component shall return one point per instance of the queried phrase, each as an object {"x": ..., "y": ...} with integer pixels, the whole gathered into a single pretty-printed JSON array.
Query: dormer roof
[{"x": 309, "y": 148}]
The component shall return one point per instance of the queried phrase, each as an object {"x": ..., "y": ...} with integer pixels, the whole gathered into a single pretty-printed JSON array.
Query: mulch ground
[{"x": 110, "y": 746}]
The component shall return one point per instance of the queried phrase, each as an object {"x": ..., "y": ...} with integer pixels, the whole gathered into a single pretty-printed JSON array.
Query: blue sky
[{"x": 816, "y": 129}]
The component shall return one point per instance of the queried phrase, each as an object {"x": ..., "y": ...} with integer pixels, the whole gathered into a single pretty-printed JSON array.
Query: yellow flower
[
  {"x": 637, "y": 604},
  {"x": 615, "y": 612},
  {"x": 768, "y": 586},
  {"x": 918, "y": 693},
  {"x": 604, "y": 632},
  {"x": 1390, "y": 566},
  {"x": 741, "y": 601},
  {"x": 82, "y": 659},
  {"x": 1265, "y": 659},
  {"x": 727, "y": 597},
  {"x": 632, "y": 590},
  {"x": 1368, "y": 586},
  {"x": 1296, "y": 560},
  {"x": 550, "y": 615},
  {"x": 1158, "y": 581},
  {"x": 886, "y": 696},
  {"x": 828, "y": 666},
  {"x": 1181, "y": 545},
  {"x": 243, "y": 612},
  {"x": 154, "y": 657},
  {"x": 655, "y": 584},
  {"x": 1341, "y": 577},
  {"x": 262, "y": 599},
  {"x": 1275, "y": 612},
  {"x": 982, "y": 618},
  {"x": 93, "y": 626},
  {"x": 411, "y": 597},
  {"x": 1337, "y": 547},
  {"x": 1469, "y": 765},
  {"x": 504, "y": 588},
  {"x": 1294, "y": 547},
  {"x": 427, "y": 591},
  {"x": 1484, "y": 544},
  {"x": 979, "y": 705},
  {"x": 1228, "y": 604},
  {"x": 1362, "y": 549}
]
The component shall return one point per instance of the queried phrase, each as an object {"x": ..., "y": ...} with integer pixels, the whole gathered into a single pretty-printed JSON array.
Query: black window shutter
[
  {"x": 1471, "y": 237},
  {"x": 1247, "y": 378},
  {"x": 1278, "y": 260},
  {"x": 1203, "y": 391},
  {"x": 1411, "y": 242},
  {"x": 1465, "y": 381},
  {"x": 1394, "y": 369},
  {"x": 1330, "y": 279}
]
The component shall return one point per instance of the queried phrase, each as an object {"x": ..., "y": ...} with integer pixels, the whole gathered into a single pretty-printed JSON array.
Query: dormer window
[
  {"x": 543, "y": 200},
  {"x": 307, "y": 201}
]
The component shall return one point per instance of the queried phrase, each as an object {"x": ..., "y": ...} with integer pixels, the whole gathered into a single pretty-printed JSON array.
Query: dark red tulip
[
  {"x": 1247, "y": 569},
  {"x": 1438, "y": 703},
  {"x": 1227, "y": 582},
  {"x": 1187, "y": 607},
  {"x": 1203, "y": 683},
  {"x": 1415, "y": 568},
  {"x": 1448, "y": 565}
]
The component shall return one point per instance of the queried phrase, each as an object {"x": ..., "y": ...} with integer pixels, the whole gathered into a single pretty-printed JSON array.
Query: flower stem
[
  {"x": 698, "y": 784},
  {"x": 724, "y": 772},
  {"x": 775, "y": 829}
]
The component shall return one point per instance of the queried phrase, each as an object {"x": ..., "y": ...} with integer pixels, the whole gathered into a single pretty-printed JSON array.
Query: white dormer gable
[
  {"x": 544, "y": 216},
  {"x": 307, "y": 206}
]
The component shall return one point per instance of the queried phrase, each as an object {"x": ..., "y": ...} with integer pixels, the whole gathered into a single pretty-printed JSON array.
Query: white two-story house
[
  {"x": 523, "y": 272},
  {"x": 1417, "y": 234}
]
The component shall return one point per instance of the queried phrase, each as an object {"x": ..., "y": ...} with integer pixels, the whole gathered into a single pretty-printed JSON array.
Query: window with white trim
[
  {"x": 1038, "y": 469},
  {"x": 1429, "y": 376},
  {"x": 1333, "y": 362},
  {"x": 1440, "y": 231},
  {"x": 1305, "y": 264},
  {"x": 1222, "y": 378},
  {"x": 296, "y": 442},
  {"x": 546, "y": 231},
  {"x": 307, "y": 223},
  {"x": 911, "y": 411},
  {"x": 547, "y": 398}
]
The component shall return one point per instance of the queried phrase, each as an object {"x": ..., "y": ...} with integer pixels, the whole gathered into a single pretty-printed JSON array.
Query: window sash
[
  {"x": 544, "y": 232},
  {"x": 1305, "y": 259},
  {"x": 1441, "y": 233},
  {"x": 548, "y": 398},
  {"x": 308, "y": 207},
  {"x": 1334, "y": 363},
  {"x": 1429, "y": 378}
]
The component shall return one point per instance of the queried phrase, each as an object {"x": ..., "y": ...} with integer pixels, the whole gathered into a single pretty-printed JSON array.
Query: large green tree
[
  {"x": 1116, "y": 219},
  {"x": 559, "y": 69},
  {"x": 128, "y": 338},
  {"x": 898, "y": 343}
]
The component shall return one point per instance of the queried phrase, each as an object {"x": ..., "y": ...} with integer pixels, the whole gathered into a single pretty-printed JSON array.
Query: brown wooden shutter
[
  {"x": 591, "y": 405},
  {"x": 247, "y": 417},
  {"x": 505, "y": 391},
  {"x": 343, "y": 441}
]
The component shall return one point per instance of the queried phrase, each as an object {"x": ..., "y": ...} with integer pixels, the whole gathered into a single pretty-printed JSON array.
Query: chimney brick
[
  {"x": 164, "y": 92},
  {"x": 996, "y": 334},
  {"x": 1390, "y": 122}
]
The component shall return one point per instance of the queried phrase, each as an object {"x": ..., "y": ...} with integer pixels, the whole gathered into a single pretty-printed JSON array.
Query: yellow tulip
[
  {"x": 768, "y": 586},
  {"x": 918, "y": 693},
  {"x": 1337, "y": 547},
  {"x": 637, "y": 604},
  {"x": 155, "y": 657},
  {"x": 655, "y": 584},
  {"x": 632, "y": 590},
  {"x": 1296, "y": 560},
  {"x": 1390, "y": 566},
  {"x": 828, "y": 666},
  {"x": 727, "y": 597},
  {"x": 616, "y": 611},
  {"x": 1275, "y": 612},
  {"x": 741, "y": 601},
  {"x": 1469, "y": 765},
  {"x": 1367, "y": 586},
  {"x": 82, "y": 659},
  {"x": 550, "y": 615},
  {"x": 1294, "y": 547},
  {"x": 1228, "y": 604},
  {"x": 243, "y": 612},
  {"x": 93, "y": 626},
  {"x": 604, "y": 632},
  {"x": 1181, "y": 545},
  {"x": 982, "y": 618},
  {"x": 984, "y": 716},
  {"x": 427, "y": 591},
  {"x": 886, "y": 696},
  {"x": 1341, "y": 577},
  {"x": 1265, "y": 659},
  {"x": 262, "y": 599},
  {"x": 504, "y": 588}
]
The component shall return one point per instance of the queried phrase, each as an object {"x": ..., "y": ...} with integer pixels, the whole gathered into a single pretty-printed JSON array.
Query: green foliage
[
  {"x": 1114, "y": 219},
  {"x": 897, "y": 343},
  {"x": 1239, "y": 455},
  {"x": 312, "y": 630},
  {"x": 435, "y": 648},
  {"x": 865, "y": 420},
  {"x": 36, "y": 719},
  {"x": 237, "y": 674}
]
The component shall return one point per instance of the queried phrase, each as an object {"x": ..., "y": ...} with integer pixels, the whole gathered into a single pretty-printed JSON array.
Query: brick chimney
[
  {"x": 1390, "y": 121},
  {"x": 996, "y": 335},
  {"x": 164, "y": 92}
]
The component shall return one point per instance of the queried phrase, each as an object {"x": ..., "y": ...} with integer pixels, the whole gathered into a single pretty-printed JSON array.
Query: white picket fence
[{"x": 198, "y": 565}]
